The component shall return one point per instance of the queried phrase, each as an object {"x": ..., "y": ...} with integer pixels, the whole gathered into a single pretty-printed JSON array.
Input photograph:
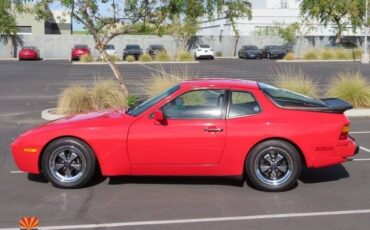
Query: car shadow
[
  {"x": 40, "y": 178},
  {"x": 196, "y": 180},
  {"x": 331, "y": 173}
]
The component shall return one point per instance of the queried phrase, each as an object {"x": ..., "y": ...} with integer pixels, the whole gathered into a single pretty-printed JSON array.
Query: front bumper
[
  {"x": 26, "y": 161},
  {"x": 199, "y": 54}
]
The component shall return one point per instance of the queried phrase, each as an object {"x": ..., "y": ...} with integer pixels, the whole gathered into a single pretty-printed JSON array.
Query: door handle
[{"x": 213, "y": 129}]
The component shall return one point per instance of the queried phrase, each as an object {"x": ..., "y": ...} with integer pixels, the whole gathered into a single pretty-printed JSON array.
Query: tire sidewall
[
  {"x": 89, "y": 157},
  {"x": 296, "y": 168}
]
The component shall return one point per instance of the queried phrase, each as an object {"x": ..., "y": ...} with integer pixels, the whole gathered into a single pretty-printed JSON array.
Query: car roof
[{"x": 220, "y": 82}]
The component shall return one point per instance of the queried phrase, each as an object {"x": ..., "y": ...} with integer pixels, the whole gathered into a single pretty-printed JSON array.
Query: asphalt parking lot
[{"x": 330, "y": 198}]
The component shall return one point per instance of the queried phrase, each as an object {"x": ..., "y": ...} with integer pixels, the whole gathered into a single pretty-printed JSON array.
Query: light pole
[{"x": 365, "y": 56}]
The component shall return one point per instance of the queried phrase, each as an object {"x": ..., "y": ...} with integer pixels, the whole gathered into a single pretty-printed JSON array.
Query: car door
[{"x": 193, "y": 134}]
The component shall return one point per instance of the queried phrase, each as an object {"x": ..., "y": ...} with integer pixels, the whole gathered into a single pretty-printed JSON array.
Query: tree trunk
[
  {"x": 236, "y": 44},
  {"x": 11, "y": 46},
  {"x": 115, "y": 71}
]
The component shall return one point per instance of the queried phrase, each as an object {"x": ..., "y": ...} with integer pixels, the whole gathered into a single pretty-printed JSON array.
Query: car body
[
  {"x": 132, "y": 50},
  {"x": 203, "y": 51},
  {"x": 152, "y": 50},
  {"x": 273, "y": 52},
  {"x": 208, "y": 127},
  {"x": 78, "y": 50},
  {"x": 250, "y": 52},
  {"x": 29, "y": 53},
  {"x": 343, "y": 45},
  {"x": 110, "y": 49}
]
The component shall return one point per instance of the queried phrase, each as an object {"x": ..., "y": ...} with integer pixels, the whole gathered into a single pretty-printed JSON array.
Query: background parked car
[
  {"x": 343, "y": 45},
  {"x": 29, "y": 53},
  {"x": 110, "y": 49},
  {"x": 250, "y": 52},
  {"x": 203, "y": 51},
  {"x": 273, "y": 52},
  {"x": 133, "y": 50},
  {"x": 152, "y": 50},
  {"x": 79, "y": 50}
]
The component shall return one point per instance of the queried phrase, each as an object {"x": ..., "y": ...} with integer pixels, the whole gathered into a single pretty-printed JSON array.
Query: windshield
[
  {"x": 288, "y": 98},
  {"x": 251, "y": 47},
  {"x": 158, "y": 47},
  {"x": 149, "y": 103},
  {"x": 132, "y": 47},
  {"x": 81, "y": 46},
  {"x": 204, "y": 46},
  {"x": 274, "y": 48},
  {"x": 109, "y": 47}
]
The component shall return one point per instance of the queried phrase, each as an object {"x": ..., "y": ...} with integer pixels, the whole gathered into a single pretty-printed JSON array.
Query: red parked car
[
  {"x": 78, "y": 51},
  {"x": 29, "y": 53},
  {"x": 209, "y": 127}
]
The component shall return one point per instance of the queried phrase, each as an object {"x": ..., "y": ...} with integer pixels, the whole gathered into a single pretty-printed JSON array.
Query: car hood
[{"x": 90, "y": 116}]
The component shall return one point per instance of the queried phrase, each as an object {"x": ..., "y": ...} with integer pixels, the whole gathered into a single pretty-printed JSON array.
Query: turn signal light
[{"x": 344, "y": 132}]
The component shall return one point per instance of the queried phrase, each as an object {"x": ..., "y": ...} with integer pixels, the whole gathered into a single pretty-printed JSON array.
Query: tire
[
  {"x": 73, "y": 173},
  {"x": 273, "y": 166},
  {"x": 268, "y": 56}
]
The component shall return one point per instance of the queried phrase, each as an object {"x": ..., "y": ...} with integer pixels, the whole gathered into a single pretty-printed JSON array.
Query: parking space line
[
  {"x": 202, "y": 220},
  {"x": 14, "y": 172},
  {"x": 360, "y": 132},
  {"x": 361, "y": 159},
  {"x": 365, "y": 149}
]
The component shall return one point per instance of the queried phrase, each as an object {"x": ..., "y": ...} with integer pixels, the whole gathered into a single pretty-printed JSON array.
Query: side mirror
[{"x": 159, "y": 117}]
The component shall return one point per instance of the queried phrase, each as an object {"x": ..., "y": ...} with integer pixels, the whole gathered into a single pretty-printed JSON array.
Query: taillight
[{"x": 344, "y": 132}]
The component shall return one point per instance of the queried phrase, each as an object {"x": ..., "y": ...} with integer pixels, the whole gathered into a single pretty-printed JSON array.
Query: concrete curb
[
  {"x": 357, "y": 113},
  {"x": 50, "y": 115},
  {"x": 136, "y": 63},
  {"x": 314, "y": 61},
  {"x": 229, "y": 57}
]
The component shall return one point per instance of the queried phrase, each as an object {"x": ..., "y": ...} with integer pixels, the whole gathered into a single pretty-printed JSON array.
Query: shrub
[
  {"x": 107, "y": 94},
  {"x": 162, "y": 57},
  {"x": 311, "y": 55},
  {"x": 74, "y": 99},
  {"x": 357, "y": 53},
  {"x": 101, "y": 95},
  {"x": 130, "y": 58},
  {"x": 185, "y": 56},
  {"x": 86, "y": 58},
  {"x": 295, "y": 81},
  {"x": 113, "y": 58},
  {"x": 289, "y": 56},
  {"x": 328, "y": 54},
  {"x": 163, "y": 80},
  {"x": 342, "y": 54},
  {"x": 145, "y": 58},
  {"x": 219, "y": 54},
  {"x": 351, "y": 87},
  {"x": 132, "y": 100}
]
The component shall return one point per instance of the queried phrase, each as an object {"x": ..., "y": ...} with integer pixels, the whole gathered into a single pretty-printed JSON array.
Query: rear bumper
[{"x": 341, "y": 152}]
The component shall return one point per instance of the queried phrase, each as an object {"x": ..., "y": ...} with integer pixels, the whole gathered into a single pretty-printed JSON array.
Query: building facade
[
  {"x": 58, "y": 23},
  {"x": 267, "y": 16}
]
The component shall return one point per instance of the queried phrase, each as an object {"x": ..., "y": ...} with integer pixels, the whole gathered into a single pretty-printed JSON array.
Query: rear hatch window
[{"x": 286, "y": 98}]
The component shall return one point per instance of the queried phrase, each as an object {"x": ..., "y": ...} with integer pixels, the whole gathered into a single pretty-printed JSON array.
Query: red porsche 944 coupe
[{"x": 208, "y": 127}]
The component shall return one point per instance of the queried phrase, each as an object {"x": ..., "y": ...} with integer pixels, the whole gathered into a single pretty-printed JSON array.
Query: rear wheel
[
  {"x": 68, "y": 163},
  {"x": 273, "y": 165}
]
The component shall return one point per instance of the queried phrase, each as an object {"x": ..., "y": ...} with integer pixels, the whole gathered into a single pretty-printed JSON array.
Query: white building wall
[{"x": 268, "y": 14}]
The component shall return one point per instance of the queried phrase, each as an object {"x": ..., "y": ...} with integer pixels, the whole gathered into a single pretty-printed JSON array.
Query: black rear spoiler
[{"x": 335, "y": 105}]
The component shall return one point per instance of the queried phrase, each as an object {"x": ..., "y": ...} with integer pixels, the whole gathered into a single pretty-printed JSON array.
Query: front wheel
[
  {"x": 273, "y": 165},
  {"x": 68, "y": 163}
]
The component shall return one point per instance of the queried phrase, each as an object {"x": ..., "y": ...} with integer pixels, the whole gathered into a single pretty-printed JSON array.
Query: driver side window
[{"x": 197, "y": 104}]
